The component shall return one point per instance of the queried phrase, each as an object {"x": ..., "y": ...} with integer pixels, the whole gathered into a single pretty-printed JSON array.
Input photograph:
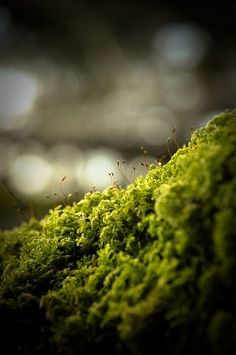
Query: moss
[{"x": 142, "y": 270}]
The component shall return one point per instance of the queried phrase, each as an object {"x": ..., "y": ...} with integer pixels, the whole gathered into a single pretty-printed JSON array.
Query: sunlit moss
[{"x": 143, "y": 270}]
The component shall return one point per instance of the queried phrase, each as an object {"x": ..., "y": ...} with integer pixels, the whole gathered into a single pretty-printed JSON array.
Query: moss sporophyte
[{"x": 146, "y": 269}]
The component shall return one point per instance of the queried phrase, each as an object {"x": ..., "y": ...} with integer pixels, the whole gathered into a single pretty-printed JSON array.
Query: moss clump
[{"x": 149, "y": 269}]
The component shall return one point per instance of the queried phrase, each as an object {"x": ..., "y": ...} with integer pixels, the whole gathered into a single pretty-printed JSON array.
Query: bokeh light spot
[
  {"x": 65, "y": 159},
  {"x": 30, "y": 174},
  {"x": 182, "y": 45},
  {"x": 18, "y": 91},
  {"x": 98, "y": 165}
]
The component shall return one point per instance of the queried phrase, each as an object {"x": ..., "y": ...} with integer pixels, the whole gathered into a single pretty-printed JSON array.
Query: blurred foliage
[{"x": 141, "y": 270}]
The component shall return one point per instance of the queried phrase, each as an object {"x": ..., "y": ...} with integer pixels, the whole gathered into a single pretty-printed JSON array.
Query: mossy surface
[{"x": 149, "y": 269}]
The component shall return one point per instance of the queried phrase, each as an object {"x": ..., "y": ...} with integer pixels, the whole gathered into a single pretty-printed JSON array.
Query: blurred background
[{"x": 86, "y": 83}]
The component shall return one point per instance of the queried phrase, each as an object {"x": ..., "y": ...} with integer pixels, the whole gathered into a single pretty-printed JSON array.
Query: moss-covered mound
[{"x": 149, "y": 269}]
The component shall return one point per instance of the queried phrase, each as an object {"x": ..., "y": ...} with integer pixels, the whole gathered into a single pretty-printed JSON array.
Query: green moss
[{"x": 143, "y": 270}]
